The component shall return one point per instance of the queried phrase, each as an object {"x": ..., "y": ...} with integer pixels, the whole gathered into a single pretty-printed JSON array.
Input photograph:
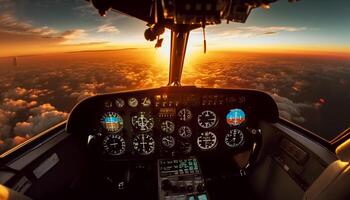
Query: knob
[
  {"x": 190, "y": 188},
  {"x": 201, "y": 187}
]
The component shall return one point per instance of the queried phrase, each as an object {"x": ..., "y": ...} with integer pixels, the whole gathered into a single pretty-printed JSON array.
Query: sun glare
[{"x": 194, "y": 48}]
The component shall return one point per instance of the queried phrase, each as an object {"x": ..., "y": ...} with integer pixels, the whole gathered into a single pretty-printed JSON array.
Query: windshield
[{"x": 56, "y": 53}]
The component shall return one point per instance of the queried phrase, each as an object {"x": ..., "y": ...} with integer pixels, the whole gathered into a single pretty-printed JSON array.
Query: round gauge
[
  {"x": 112, "y": 122},
  {"x": 185, "y": 132},
  {"x": 185, "y": 114},
  {"x": 144, "y": 144},
  {"x": 132, "y": 102},
  {"x": 234, "y": 138},
  {"x": 114, "y": 144},
  {"x": 142, "y": 121},
  {"x": 185, "y": 147},
  {"x": 119, "y": 103},
  {"x": 167, "y": 126},
  {"x": 235, "y": 117},
  {"x": 108, "y": 104},
  {"x": 207, "y": 119},
  {"x": 168, "y": 141},
  {"x": 207, "y": 140},
  {"x": 146, "y": 102}
]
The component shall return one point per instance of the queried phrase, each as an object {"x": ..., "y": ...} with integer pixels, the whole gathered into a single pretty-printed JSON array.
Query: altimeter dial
[
  {"x": 207, "y": 140},
  {"x": 144, "y": 144},
  {"x": 207, "y": 119},
  {"x": 114, "y": 144}
]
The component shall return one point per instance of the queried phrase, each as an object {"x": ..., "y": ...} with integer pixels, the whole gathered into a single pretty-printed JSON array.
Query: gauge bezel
[
  {"x": 173, "y": 142},
  {"x": 131, "y": 104},
  {"x": 106, "y": 147},
  {"x": 147, "y": 116},
  {"x": 146, "y": 105},
  {"x": 240, "y": 124},
  {"x": 214, "y": 123},
  {"x": 164, "y": 123},
  {"x": 185, "y": 127},
  {"x": 120, "y": 104},
  {"x": 184, "y": 110},
  {"x": 121, "y": 125},
  {"x": 213, "y": 146},
  {"x": 241, "y": 135},
  {"x": 144, "y": 153}
]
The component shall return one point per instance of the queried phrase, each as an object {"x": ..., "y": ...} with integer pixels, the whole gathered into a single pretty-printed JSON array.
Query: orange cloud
[
  {"x": 107, "y": 28},
  {"x": 251, "y": 31},
  {"x": 73, "y": 34}
]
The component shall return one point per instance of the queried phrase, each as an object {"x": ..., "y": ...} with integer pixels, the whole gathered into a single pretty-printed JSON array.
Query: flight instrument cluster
[{"x": 170, "y": 122}]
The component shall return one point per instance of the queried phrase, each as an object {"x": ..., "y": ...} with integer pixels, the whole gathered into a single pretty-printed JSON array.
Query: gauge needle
[
  {"x": 143, "y": 142},
  {"x": 113, "y": 144}
]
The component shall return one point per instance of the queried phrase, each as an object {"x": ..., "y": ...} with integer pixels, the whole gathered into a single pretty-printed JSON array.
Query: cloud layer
[{"x": 41, "y": 90}]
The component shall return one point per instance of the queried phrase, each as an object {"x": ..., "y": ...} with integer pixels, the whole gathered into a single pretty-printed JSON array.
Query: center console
[{"x": 181, "y": 179}]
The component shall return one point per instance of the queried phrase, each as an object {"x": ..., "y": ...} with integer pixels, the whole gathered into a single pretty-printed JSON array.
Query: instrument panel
[{"x": 171, "y": 121}]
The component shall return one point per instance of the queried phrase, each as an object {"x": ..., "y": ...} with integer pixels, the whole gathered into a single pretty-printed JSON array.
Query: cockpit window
[{"x": 55, "y": 53}]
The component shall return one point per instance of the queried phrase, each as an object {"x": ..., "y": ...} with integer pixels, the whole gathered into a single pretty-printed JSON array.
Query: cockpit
[
  {"x": 173, "y": 142},
  {"x": 178, "y": 134}
]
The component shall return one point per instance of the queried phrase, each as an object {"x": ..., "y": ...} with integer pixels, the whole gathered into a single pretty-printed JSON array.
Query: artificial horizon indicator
[
  {"x": 235, "y": 117},
  {"x": 112, "y": 122}
]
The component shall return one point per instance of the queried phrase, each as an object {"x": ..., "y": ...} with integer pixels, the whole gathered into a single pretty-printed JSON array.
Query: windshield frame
[{"x": 32, "y": 143}]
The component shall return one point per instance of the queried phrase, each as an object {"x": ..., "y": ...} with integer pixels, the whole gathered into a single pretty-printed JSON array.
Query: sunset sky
[{"x": 46, "y": 26}]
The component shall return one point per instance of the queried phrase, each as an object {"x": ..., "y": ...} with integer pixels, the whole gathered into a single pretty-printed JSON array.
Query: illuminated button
[
  {"x": 201, "y": 187},
  {"x": 157, "y": 97},
  {"x": 202, "y": 197},
  {"x": 190, "y": 197}
]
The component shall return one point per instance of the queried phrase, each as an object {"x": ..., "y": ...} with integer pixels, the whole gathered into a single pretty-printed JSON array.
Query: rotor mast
[
  {"x": 177, "y": 56},
  {"x": 181, "y": 16}
]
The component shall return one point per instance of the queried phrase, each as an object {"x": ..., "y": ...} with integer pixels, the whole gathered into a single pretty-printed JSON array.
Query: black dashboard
[{"x": 170, "y": 122}]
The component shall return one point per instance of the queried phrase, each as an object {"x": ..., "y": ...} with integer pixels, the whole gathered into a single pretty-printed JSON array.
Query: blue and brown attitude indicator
[{"x": 235, "y": 117}]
